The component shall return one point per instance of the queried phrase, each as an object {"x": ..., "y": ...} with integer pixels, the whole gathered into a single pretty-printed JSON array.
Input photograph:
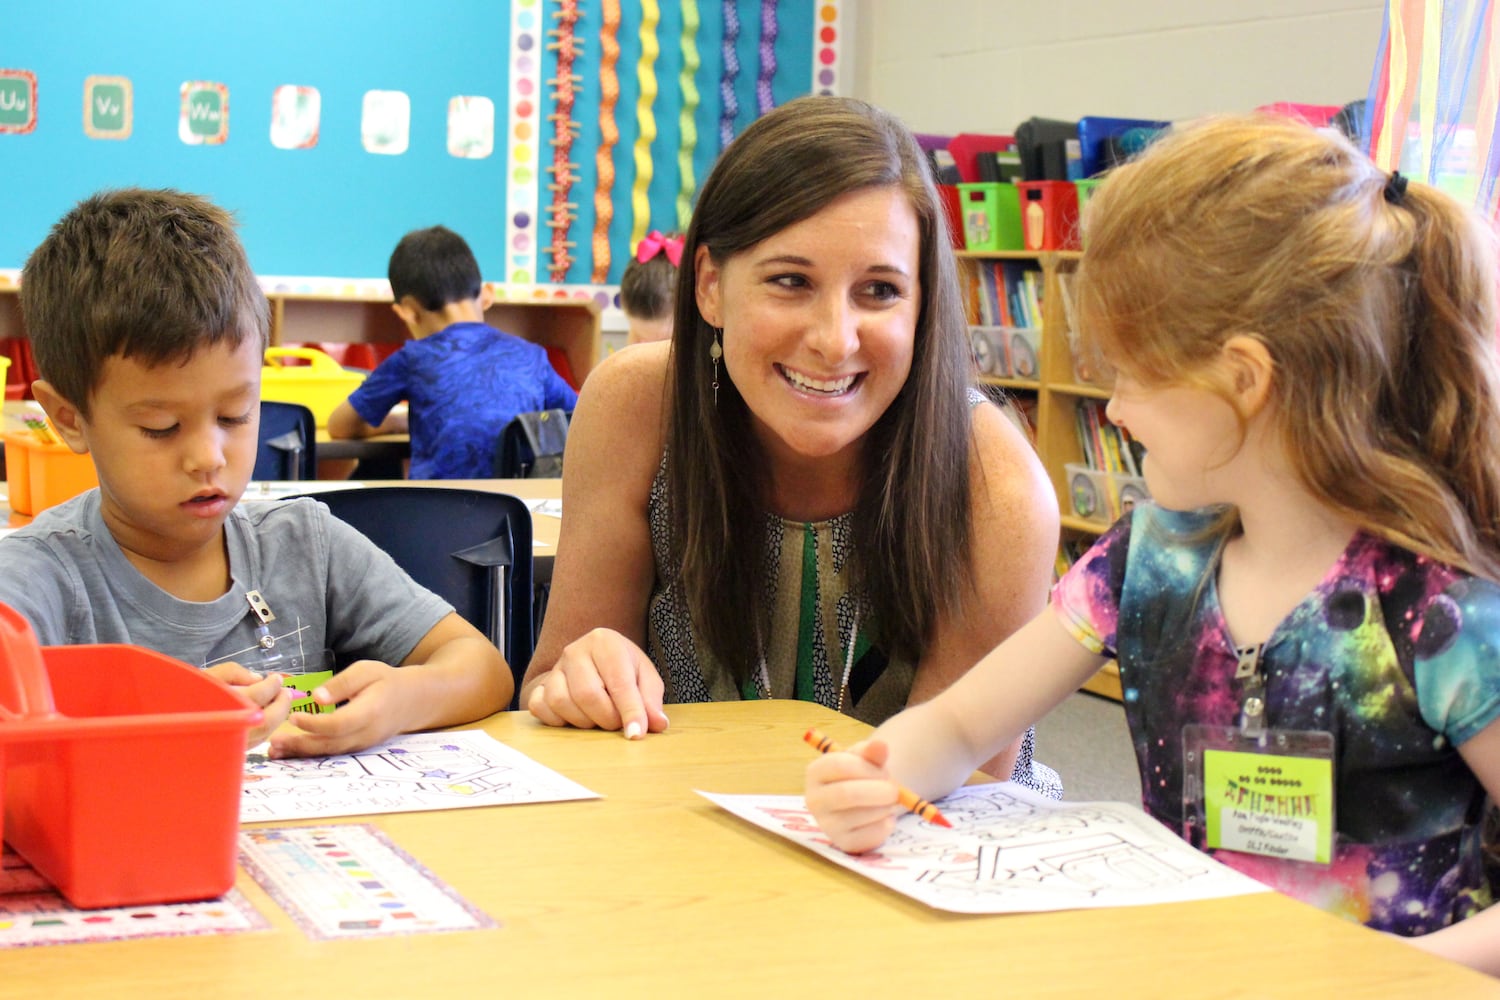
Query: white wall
[{"x": 949, "y": 66}]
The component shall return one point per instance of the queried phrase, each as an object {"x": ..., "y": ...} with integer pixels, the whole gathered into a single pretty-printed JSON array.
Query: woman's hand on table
[{"x": 601, "y": 681}]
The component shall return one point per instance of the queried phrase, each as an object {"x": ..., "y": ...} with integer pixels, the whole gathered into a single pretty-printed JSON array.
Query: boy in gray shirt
[{"x": 148, "y": 329}]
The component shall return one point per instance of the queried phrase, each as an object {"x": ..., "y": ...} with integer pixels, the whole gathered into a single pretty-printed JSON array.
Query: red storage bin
[
  {"x": 1049, "y": 214},
  {"x": 1316, "y": 115},
  {"x": 966, "y": 147},
  {"x": 120, "y": 769},
  {"x": 953, "y": 212}
]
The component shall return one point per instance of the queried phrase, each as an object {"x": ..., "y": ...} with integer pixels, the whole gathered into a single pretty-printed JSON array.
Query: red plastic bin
[
  {"x": 1049, "y": 214},
  {"x": 120, "y": 768}
]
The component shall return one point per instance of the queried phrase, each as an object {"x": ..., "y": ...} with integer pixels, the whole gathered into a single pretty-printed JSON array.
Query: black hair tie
[{"x": 1395, "y": 188}]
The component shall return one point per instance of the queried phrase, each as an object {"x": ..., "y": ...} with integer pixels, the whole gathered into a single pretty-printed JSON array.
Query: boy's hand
[
  {"x": 852, "y": 796},
  {"x": 266, "y": 693},
  {"x": 604, "y": 681},
  {"x": 369, "y": 712}
]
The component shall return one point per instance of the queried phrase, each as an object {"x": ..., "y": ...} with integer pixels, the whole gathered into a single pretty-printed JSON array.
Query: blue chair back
[
  {"x": 288, "y": 442},
  {"x": 470, "y": 547}
]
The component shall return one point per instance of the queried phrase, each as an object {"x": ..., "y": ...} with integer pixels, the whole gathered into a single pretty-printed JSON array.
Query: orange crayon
[{"x": 908, "y": 798}]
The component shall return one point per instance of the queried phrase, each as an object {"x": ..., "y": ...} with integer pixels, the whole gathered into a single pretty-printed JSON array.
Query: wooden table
[
  {"x": 654, "y": 892},
  {"x": 396, "y": 446}
]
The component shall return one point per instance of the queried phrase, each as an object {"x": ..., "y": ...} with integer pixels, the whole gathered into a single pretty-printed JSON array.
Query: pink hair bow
[{"x": 654, "y": 243}]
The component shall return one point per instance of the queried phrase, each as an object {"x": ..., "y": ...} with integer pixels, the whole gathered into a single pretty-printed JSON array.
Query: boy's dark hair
[
  {"x": 434, "y": 266},
  {"x": 150, "y": 275},
  {"x": 647, "y": 290}
]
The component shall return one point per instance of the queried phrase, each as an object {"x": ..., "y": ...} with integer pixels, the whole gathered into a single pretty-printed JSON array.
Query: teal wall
[{"x": 334, "y": 209}]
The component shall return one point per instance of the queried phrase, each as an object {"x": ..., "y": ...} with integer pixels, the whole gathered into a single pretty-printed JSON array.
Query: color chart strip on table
[
  {"x": 350, "y": 880},
  {"x": 33, "y": 913}
]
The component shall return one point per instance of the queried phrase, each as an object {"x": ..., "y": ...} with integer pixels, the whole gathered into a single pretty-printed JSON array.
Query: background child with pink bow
[{"x": 649, "y": 285}]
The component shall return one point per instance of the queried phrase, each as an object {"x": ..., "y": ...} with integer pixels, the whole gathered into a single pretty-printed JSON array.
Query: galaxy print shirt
[{"x": 1396, "y": 655}]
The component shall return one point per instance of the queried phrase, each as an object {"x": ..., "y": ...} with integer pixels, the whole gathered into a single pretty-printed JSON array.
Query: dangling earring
[{"x": 715, "y": 352}]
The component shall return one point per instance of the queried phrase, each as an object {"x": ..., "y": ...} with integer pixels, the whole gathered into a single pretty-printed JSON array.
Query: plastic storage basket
[
  {"x": 991, "y": 214},
  {"x": 120, "y": 768},
  {"x": 320, "y": 385},
  {"x": 43, "y": 475}
]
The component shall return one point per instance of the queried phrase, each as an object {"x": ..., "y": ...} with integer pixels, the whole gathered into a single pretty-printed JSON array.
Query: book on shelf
[
  {"x": 1083, "y": 367},
  {"x": 1004, "y": 293},
  {"x": 1105, "y": 446},
  {"x": 1069, "y": 551}
]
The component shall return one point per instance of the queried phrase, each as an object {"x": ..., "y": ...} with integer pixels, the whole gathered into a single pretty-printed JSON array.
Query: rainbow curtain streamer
[
  {"x": 729, "y": 105},
  {"x": 609, "y": 134},
  {"x": 687, "y": 120},
  {"x": 1433, "y": 96},
  {"x": 561, "y": 212},
  {"x": 645, "y": 116},
  {"x": 769, "y": 29}
]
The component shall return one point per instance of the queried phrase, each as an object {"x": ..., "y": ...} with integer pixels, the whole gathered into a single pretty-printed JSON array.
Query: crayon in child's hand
[{"x": 908, "y": 798}]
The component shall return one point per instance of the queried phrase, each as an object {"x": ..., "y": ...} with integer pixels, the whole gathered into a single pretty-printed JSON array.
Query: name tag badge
[{"x": 1269, "y": 793}]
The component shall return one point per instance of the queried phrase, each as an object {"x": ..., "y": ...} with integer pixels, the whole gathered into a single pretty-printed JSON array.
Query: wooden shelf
[
  {"x": 1082, "y": 525},
  {"x": 1020, "y": 384},
  {"x": 571, "y": 325},
  {"x": 1085, "y": 389},
  {"x": 1106, "y": 682},
  {"x": 1058, "y": 393}
]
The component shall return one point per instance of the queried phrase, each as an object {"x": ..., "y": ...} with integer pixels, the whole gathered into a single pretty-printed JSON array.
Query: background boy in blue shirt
[
  {"x": 463, "y": 379},
  {"x": 149, "y": 329}
]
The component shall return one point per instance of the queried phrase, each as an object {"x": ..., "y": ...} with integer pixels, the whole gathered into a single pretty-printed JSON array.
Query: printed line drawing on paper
[
  {"x": 1011, "y": 851},
  {"x": 411, "y": 773}
]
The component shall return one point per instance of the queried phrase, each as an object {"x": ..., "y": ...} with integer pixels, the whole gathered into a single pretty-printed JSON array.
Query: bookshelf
[
  {"x": 1052, "y": 396},
  {"x": 571, "y": 325}
]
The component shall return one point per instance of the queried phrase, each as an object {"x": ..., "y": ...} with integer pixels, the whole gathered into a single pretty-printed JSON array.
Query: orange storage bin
[
  {"x": 120, "y": 768},
  {"x": 40, "y": 475},
  {"x": 1049, "y": 214}
]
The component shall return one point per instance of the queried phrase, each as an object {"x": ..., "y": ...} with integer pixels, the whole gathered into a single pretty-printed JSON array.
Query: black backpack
[{"x": 531, "y": 446}]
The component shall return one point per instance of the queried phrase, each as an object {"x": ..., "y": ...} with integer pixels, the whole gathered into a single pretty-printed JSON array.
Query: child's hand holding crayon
[
  {"x": 373, "y": 700},
  {"x": 266, "y": 693},
  {"x": 854, "y": 798}
]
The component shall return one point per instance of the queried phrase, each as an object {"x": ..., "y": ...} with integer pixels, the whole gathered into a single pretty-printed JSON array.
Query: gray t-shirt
[{"x": 328, "y": 586}]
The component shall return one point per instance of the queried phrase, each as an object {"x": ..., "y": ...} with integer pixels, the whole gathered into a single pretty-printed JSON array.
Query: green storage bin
[
  {"x": 1085, "y": 191},
  {"x": 991, "y": 216}
]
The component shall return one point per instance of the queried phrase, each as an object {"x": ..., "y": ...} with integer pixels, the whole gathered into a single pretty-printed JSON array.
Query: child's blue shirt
[{"x": 463, "y": 385}]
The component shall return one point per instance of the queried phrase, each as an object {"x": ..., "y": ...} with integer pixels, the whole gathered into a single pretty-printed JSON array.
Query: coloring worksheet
[
  {"x": 1013, "y": 851},
  {"x": 411, "y": 773}
]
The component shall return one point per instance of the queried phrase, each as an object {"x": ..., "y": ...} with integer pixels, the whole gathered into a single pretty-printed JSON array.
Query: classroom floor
[{"x": 1085, "y": 740}]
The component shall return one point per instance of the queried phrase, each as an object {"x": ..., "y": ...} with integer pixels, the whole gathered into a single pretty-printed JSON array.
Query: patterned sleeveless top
[{"x": 814, "y": 619}]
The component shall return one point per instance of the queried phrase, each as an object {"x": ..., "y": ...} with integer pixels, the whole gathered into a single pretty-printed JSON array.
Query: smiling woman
[{"x": 800, "y": 495}]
